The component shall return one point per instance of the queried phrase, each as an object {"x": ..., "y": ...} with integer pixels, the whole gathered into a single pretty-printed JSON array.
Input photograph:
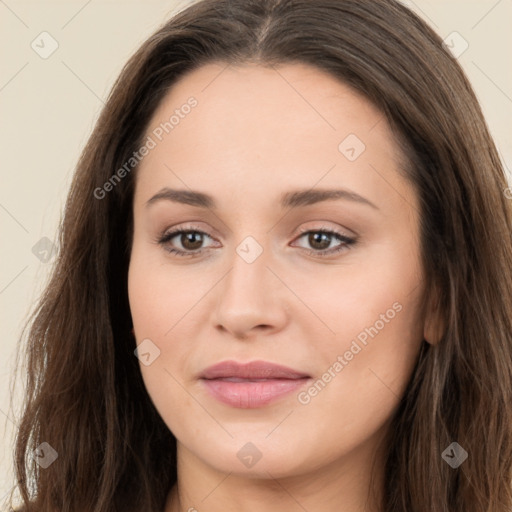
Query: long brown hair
[{"x": 84, "y": 393}]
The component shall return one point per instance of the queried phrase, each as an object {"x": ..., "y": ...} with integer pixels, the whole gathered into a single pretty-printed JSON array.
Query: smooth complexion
[{"x": 258, "y": 133}]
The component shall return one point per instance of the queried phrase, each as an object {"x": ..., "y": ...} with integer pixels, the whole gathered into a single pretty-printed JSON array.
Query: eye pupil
[{"x": 316, "y": 237}]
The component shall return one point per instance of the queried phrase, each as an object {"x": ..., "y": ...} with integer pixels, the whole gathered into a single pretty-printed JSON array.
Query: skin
[{"x": 256, "y": 133}]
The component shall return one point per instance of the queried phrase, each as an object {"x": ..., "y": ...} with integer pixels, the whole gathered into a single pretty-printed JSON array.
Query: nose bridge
[
  {"x": 249, "y": 296},
  {"x": 249, "y": 272}
]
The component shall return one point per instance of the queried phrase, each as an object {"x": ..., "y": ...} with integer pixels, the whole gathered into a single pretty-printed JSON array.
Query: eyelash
[{"x": 347, "y": 242}]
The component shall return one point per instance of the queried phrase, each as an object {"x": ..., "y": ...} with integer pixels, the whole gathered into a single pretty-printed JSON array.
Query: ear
[{"x": 435, "y": 321}]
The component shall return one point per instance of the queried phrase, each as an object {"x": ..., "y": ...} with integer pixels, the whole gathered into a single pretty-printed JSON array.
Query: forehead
[
  {"x": 292, "y": 100},
  {"x": 264, "y": 128}
]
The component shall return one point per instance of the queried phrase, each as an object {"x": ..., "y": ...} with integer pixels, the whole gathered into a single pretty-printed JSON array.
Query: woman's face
[{"x": 260, "y": 283}]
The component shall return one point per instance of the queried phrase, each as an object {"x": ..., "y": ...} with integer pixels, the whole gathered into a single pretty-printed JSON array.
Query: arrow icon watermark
[
  {"x": 454, "y": 455},
  {"x": 351, "y": 147},
  {"x": 147, "y": 352}
]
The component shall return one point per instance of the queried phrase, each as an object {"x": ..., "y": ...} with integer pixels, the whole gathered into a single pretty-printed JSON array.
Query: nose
[{"x": 251, "y": 298}]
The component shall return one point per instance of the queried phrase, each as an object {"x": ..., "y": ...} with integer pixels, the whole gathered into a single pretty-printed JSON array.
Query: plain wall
[{"x": 48, "y": 108}]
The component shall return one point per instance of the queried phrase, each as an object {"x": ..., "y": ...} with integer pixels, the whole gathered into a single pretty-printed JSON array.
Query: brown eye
[
  {"x": 320, "y": 240},
  {"x": 189, "y": 242}
]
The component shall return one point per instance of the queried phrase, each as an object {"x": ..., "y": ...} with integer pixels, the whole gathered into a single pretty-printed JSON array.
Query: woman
[{"x": 197, "y": 350}]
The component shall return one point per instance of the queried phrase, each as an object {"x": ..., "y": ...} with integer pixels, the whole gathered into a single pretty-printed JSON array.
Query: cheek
[
  {"x": 374, "y": 294},
  {"x": 160, "y": 294},
  {"x": 380, "y": 357},
  {"x": 155, "y": 308},
  {"x": 363, "y": 381},
  {"x": 376, "y": 334},
  {"x": 161, "y": 299}
]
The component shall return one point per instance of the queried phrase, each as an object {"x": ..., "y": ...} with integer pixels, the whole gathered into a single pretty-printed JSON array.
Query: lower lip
[{"x": 249, "y": 395}]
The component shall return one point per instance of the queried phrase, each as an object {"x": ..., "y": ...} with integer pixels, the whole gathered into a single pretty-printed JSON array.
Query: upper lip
[{"x": 251, "y": 370}]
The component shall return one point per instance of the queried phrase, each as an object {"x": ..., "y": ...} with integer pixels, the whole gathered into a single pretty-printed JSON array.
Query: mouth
[{"x": 251, "y": 385}]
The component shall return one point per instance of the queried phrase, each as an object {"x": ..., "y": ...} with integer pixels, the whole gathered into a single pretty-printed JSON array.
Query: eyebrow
[{"x": 293, "y": 199}]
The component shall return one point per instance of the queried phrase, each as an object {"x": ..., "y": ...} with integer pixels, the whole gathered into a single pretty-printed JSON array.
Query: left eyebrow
[{"x": 292, "y": 199}]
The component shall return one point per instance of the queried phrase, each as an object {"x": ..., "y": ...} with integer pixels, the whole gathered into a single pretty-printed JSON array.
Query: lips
[{"x": 251, "y": 385}]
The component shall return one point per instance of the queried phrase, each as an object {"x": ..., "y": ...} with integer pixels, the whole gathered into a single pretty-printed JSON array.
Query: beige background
[{"x": 49, "y": 106}]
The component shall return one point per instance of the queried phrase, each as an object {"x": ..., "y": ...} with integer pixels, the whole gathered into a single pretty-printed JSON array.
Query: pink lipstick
[{"x": 251, "y": 385}]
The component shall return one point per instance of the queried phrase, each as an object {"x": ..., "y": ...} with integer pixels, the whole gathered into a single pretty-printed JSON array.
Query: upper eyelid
[
  {"x": 301, "y": 231},
  {"x": 190, "y": 227}
]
